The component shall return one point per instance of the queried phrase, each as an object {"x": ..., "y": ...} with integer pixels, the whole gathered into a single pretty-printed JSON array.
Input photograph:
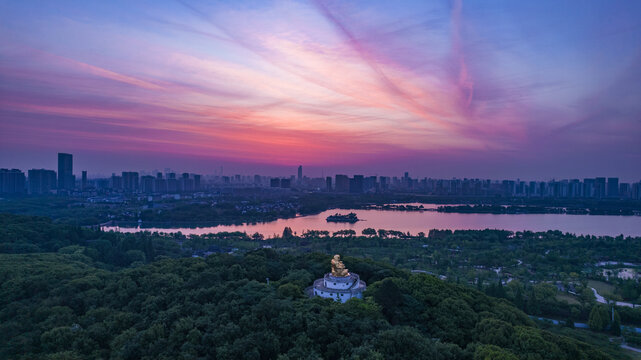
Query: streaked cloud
[{"x": 325, "y": 83}]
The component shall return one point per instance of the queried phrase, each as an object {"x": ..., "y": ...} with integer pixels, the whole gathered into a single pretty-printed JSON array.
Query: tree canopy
[{"x": 62, "y": 306}]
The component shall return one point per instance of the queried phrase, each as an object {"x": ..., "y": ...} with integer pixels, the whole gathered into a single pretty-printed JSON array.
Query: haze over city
[{"x": 470, "y": 89}]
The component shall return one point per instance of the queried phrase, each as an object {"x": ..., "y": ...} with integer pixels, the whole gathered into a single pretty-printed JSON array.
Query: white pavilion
[{"x": 340, "y": 284}]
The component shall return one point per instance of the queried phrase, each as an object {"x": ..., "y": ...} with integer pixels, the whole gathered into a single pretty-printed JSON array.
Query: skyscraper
[
  {"x": 588, "y": 188},
  {"x": 342, "y": 183},
  {"x": 116, "y": 182},
  {"x": 186, "y": 183},
  {"x": 147, "y": 184},
  {"x": 41, "y": 181},
  {"x": 613, "y": 187},
  {"x": 356, "y": 184},
  {"x": 196, "y": 182},
  {"x": 300, "y": 174},
  {"x": 83, "y": 185},
  {"x": 12, "y": 181},
  {"x": 172, "y": 183},
  {"x": 160, "y": 184},
  {"x": 130, "y": 181},
  {"x": 599, "y": 187},
  {"x": 65, "y": 172}
]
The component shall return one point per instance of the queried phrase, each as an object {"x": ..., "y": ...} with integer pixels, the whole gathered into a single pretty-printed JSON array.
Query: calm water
[{"x": 415, "y": 222}]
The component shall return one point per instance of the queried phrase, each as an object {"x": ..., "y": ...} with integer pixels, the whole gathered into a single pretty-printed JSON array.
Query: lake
[{"x": 416, "y": 222}]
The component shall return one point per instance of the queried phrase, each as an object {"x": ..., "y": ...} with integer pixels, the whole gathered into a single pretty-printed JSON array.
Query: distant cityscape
[{"x": 64, "y": 182}]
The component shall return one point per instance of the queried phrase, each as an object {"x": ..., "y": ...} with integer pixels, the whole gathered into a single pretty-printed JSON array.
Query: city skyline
[
  {"x": 45, "y": 181},
  {"x": 295, "y": 173},
  {"x": 445, "y": 89}
]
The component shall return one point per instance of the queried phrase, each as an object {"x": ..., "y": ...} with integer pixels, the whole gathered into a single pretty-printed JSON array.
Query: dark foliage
[{"x": 61, "y": 306}]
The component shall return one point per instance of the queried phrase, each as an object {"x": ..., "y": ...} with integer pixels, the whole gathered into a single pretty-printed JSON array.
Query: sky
[{"x": 489, "y": 89}]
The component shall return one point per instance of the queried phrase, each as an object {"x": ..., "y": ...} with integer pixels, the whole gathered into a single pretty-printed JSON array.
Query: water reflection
[{"x": 423, "y": 221}]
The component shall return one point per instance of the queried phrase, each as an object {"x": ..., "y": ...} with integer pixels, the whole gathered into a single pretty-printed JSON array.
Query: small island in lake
[{"x": 349, "y": 218}]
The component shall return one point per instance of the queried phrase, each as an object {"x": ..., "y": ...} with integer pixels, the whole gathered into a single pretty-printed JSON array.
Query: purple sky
[{"x": 502, "y": 89}]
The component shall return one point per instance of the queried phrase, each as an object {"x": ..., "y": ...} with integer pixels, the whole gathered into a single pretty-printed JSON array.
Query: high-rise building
[
  {"x": 116, "y": 182},
  {"x": 613, "y": 187},
  {"x": 172, "y": 183},
  {"x": 160, "y": 184},
  {"x": 274, "y": 182},
  {"x": 599, "y": 187},
  {"x": 588, "y": 188},
  {"x": 12, "y": 181},
  {"x": 300, "y": 174},
  {"x": 130, "y": 181},
  {"x": 384, "y": 181},
  {"x": 186, "y": 183},
  {"x": 369, "y": 184},
  {"x": 342, "y": 183},
  {"x": 41, "y": 181},
  {"x": 625, "y": 190},
  {"x": 66, "y": 180},
  {"x": 147, "y": 184},
  {"x": 508, "y": 188},
  {"x": 328, "y": 183},
  {"x": 636, "y": 191},
  {"x": 575, "y": 188},
  {"x": 356, "y": 184},
  {"x": 196, "y": 182},
  {"x": 83, "y": 184}
]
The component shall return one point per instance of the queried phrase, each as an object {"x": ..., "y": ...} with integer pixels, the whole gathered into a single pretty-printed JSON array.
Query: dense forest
[
  {"x": 72, "y": 293},
  {"x": 60, "y": 306}
]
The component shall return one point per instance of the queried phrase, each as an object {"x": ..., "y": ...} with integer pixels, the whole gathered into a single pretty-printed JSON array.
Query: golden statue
[{"x": 338, "y": 268}]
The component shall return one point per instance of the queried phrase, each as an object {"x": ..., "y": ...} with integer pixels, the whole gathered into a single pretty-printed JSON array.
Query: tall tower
[
  {"x": 300, "y": 174},
  {"x": 65, "y": 171},
  {"x": 84, "y": 180},
  {"x": 613, "y": 187}
]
